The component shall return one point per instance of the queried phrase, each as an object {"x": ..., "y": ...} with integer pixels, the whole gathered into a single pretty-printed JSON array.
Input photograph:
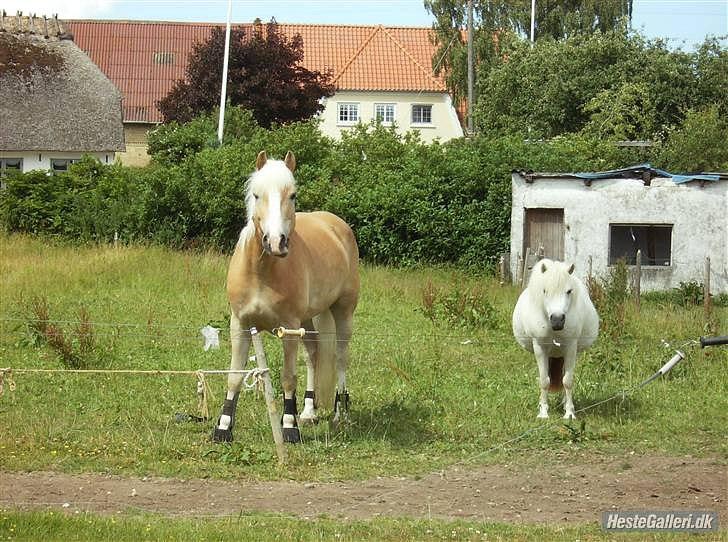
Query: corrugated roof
[
  {"x": 369, "y": 58},
  {"x": 639, "y": 171}
]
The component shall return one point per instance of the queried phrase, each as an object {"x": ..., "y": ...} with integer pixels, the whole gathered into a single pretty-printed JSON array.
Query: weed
[{"x": 469, "y": 308}]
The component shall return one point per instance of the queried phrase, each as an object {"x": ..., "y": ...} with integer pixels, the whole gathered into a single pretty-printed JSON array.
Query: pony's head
[
  {"x": 554, "y": 285},
  {"x": 271, "y": 202}
]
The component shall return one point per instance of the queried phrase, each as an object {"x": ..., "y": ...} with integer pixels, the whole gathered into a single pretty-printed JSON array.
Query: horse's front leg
[
  {"x": 568, "y": 381},
  {"x": 240, "y": 345},
  {"x": 344, "y": 318},
  {"x": 290, "y": 411},
  {"x": 310, "y": 341},
  {"x": 542, "y": 359}
]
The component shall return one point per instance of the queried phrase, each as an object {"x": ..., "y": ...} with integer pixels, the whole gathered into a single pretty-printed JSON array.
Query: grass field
[{"x": 427, "y": 393}]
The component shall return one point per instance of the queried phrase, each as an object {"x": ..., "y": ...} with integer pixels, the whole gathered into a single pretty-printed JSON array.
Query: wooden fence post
[
  {"x": 524, "y": 275},
  {"x": 273, "y": 415},
  {"x": 638, "y": 278}
]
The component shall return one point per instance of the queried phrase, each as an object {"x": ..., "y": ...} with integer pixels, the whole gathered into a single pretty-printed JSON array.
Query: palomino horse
[
  {"x": 291, "y": 270},
  {"x": 555, "y": 319}
]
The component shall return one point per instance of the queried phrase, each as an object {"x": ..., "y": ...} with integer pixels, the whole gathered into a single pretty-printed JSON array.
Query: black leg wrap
[
  {"x": 309, "y": 395},
  {"x": 341, "y": 401},
  {"x": 228, "y": 409},
  {"x": 291, "y": 435}
]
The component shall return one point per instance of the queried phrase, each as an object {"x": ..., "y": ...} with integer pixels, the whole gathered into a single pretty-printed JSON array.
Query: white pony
[{"x": 555, "y": 319}]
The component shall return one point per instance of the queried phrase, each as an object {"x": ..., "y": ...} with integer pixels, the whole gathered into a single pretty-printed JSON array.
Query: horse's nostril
[
  {"x": 284, "y": 241},
  {"x": 265, "y": 238}
]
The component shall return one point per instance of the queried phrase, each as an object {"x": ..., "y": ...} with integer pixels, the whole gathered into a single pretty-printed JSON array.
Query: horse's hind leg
[
  {"x": 240, "y": 343},
  {"x": 344, "y": 317},
  {"x": 310, "y": 341}
]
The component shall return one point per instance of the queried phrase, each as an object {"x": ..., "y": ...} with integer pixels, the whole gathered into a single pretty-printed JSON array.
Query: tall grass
[{"x": 428, "y": 390}]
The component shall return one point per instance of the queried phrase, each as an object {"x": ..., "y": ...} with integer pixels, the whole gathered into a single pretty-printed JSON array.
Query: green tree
[
  {"x": 265, "y": 75},
  {"x": 497, "y": 23}
]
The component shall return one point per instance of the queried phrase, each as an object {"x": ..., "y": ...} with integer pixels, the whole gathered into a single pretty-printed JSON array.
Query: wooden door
[{"x": 544, "y": 228}]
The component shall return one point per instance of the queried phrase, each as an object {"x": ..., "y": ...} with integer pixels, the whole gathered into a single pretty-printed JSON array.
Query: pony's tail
[
  {"x": 556, "y": 374},
  {"x": 325, "y": 375}
]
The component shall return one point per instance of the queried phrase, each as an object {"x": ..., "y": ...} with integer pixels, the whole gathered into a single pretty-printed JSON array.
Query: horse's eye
[
  {"x": 293, "y": 197},
  {"x": 568, "y": 292},
  {"x": 255, "y": 196}
]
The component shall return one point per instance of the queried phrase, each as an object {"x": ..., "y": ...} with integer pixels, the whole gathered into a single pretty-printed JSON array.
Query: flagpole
[{"x": 223, "y": 91}]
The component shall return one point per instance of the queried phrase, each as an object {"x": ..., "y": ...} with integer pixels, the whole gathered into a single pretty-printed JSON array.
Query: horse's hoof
[
  {"x": 222, "y": 435},
  {"x": 291, "y": 435},
  {"x": 569, "y": 416},
  {"x": 313, "y": 420},
  {"x": 543, "y": 416}
]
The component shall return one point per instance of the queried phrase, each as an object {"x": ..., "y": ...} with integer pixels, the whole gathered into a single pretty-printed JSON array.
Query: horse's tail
[
  {"x": 556, "y": 374},
  {"x": 325, "y": 375}
]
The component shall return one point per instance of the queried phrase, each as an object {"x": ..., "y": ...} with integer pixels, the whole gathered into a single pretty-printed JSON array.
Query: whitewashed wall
[
  {"x": 445, "y": 124},
  {"x": 699, "y": 216},
  {"x": 42, "y": 160}
]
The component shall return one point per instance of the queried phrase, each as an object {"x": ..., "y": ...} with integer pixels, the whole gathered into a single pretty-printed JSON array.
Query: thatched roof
[{"x": 52, "y": 96}]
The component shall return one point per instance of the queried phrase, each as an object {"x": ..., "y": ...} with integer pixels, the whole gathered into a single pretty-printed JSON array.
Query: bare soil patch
[{"x": 568, "y": 492}]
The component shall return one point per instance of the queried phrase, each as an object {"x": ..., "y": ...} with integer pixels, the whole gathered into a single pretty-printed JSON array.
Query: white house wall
[
  {"x": 445, "y": 124},
  {"x": 42, "y": 160},
  {"x": 698, "y": 216}
]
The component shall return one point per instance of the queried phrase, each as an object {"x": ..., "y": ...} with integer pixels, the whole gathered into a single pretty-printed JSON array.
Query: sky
[{"x": 683, "y": 23}]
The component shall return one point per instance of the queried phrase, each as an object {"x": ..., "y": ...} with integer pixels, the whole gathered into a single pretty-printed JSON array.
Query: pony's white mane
[
  {"x": 273, "y": 176},
  {"x": 555, "y": 279}
]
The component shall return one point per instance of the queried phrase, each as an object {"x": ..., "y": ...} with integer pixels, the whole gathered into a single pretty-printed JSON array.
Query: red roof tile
[{"x": 373, "y": 58}]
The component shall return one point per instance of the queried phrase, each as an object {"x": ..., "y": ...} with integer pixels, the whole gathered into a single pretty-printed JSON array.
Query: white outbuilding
[{"x": 596, "y": 219}]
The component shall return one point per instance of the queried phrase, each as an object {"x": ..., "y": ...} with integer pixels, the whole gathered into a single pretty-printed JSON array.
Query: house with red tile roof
[{"x": 379, "y": 72}]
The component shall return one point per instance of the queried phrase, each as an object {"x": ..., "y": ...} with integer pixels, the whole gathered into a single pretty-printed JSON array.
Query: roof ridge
[
  {"x": 357, "y": 53},
  {"x": 406, "y": 51},
  {"x": 247, "y": 23}
]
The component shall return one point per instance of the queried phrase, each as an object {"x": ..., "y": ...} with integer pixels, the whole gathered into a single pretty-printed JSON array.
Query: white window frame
[
  {"x": 387, "y": 110},
  {"x": 420, "y": 122},
  {"x": 349, "y": 111},
  {"x": 4, "y": 167},
  {"x": 68, "y": 161}
]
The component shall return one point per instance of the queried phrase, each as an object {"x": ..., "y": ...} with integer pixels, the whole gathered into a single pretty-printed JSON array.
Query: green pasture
[
  {"x": 51, "y": 527},
  {"x": 436, "y": 379}
]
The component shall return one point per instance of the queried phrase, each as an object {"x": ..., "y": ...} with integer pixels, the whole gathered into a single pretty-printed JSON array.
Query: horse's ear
[
  {"x": 571, "y": 269},
  {"x": 290, "y": 161},
  {"x": 261, "y": 160},
  {"x": 543, "y": 267}
]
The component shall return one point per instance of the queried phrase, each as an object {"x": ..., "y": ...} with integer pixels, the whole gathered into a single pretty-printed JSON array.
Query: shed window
[{"x": 655, "y": 242}]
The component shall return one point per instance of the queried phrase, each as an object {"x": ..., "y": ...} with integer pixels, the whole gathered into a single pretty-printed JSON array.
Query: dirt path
[{"x": 510, "y": 493}]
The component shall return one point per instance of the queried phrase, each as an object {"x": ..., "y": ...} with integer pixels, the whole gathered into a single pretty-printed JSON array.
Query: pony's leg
[
  {"x": 542, "y": 359},
  {"x": 344, "y": 325},
  {"x": 240, "y": 345},
  {"x": 568, "y": 381},
  {"x": 290, "y": 411},
  {"x": 309, "y": 400}
]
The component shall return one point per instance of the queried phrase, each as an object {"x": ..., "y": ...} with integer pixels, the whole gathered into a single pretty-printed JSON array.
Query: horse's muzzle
[
  {"x": 281, "y": 250},
  {"x": 557, "y": 321}
]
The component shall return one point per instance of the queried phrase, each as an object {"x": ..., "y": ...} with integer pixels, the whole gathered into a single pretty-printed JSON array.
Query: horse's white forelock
[
  {"x": 555, "y": 279},
  {"x": 273, "y": 176}
]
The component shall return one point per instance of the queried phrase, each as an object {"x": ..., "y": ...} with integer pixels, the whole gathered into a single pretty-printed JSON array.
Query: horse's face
[
  {"x": 558, "y": 290},
  {"x": 271, "y": 202}
]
